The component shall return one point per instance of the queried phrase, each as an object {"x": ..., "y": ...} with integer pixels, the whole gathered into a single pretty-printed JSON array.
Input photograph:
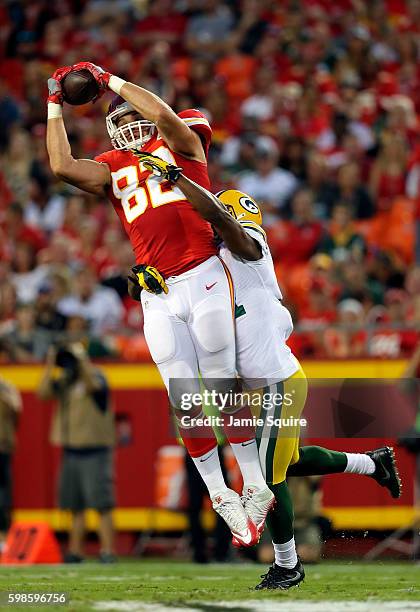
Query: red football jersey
[{"x": 164, "y": 229}]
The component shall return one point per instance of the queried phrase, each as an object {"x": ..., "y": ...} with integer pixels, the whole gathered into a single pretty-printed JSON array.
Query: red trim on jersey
[{"x": 198, "y": 122}]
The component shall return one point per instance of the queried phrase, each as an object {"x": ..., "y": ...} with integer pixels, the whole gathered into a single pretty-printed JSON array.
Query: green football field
[{"x": 162, "y": 586}]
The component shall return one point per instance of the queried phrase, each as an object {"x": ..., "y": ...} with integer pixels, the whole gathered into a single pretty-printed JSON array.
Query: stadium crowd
[{"x": 315, "y": 110}]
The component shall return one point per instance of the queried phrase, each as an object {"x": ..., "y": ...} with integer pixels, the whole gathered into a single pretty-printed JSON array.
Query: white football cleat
[
  {"x": 229, "y": 506},
  {"x": 257, "y": 504}
]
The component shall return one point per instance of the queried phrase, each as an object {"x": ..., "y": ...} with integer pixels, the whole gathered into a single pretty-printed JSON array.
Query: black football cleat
[
  {"x": 386, "y": 472},
  {"x": 107, "y": 558},
  {"x": 72, "y": 558},
  {"x": 282, "y": 577}
]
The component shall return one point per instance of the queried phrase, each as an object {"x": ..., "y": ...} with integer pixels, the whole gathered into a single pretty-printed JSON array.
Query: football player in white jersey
[{"x": 265, "y": 362}]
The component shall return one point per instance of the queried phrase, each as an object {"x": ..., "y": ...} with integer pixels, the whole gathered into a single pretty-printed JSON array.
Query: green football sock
[
  {"x": 280, "y": 519},
  {"x": 317, "y": 461}
]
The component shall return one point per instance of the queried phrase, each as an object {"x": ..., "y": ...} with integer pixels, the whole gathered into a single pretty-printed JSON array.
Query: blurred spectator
[
  {"x": 26, "y": 341},
  {"x": 9, "y": 112},
  {"x": 260, "y": 104},
  {"x": 350, "y": 191},
  {"x": 413, "y": 177},
  {"x": 389, "y": 171},
  {"x": 7, "y": 307},
  {"x": 46, "y": 314},
  {"x": 17, "y": 230},
  {"x": 396, "y": 304},
  {"x": 83, "y": 426},
  {"x": 116, "y": 278},
  {"x": 412, "y": 281},
  {"x": 294, "y": 157},
  {"x": 385, "y": 270},
  {"x": 44, "y": 210},
  {"x": 161, "y": 24},
  {"x": 100, "y": 305},
  {"x": 207, "y": 32},
  {"x": 239, "y": 152},
  {"x": 316, "y": 180},
  {"x": 18, "y": 164},
  {"x": 319, "y": 310},
  {"x": 73, "y": 216},
  {"x": 155, "y": 74},
  {"x": 342, "y": 242},
  {"x": 268, "y": 183},
  {"x": 251, "y": 25},
  {"x": 348, "y": 338},
  {"x": 10, "y": 409},
  {"x": 358, "y": 286},
  {"x": 27, "y": 277},
  {"x": 293, "y": 242},
  {"x": 78, "y": 330}
]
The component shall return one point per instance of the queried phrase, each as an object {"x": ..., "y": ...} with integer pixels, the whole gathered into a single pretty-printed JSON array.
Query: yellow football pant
[{"x": 278, "y": 432}]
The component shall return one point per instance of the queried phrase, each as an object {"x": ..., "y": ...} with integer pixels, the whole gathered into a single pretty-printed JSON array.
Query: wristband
[
  {"x": 55, "y": 111},
  {"x": 115, "y": 83}
]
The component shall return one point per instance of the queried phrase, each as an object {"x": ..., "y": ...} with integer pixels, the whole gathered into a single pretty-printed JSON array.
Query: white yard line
[
  {"x": 266, "y": 605},
  {"x": 137, "y": 606}
]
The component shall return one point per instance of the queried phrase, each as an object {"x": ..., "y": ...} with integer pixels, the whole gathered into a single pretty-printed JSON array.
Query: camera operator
[
  {"x": 10, "y": 408},
  {"x": 83, "y": 425}
]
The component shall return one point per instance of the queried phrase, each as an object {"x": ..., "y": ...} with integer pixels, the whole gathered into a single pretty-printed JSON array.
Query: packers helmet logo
[
  {"x": 240, "y": 205},
  {"x": 249, "y": 205}
]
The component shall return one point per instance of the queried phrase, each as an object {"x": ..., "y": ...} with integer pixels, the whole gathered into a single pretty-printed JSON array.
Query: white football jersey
[{"x": 263, "y": 324}]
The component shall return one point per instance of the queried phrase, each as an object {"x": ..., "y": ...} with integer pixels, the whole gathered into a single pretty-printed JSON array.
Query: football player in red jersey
[{"x": 188, "y": 327}]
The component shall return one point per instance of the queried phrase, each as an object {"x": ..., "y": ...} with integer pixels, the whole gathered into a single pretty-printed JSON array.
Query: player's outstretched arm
[
  {"x": 86, "y": 174},
  {"x": 230, "y": 231},
  {"x": 208, "y": 207},
  {"x": 172, "y": 128}
]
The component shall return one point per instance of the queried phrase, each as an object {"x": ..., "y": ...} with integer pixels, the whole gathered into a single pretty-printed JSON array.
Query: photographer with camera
[{"x": 83, "y": 425}]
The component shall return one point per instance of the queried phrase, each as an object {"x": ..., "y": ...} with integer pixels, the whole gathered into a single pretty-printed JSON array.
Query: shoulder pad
[
  {"x": 198, "y": 122},
  {"x": 251, "y": 225}
]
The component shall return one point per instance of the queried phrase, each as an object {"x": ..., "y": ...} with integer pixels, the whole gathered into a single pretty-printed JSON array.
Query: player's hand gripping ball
[
  {"x": 147, "y": 278},
  {"x": 78, "y": 84},
  {"x": 100, "y": 75},
  {"x": 55, "y": 90},
  {"x": 79, "y": 87},
  {"x": 159, "y": 167}
]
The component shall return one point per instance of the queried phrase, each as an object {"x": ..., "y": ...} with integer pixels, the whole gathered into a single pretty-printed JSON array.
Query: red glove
[
  {"x": 55, "y": 93},
  {"x": 101, "y": 76}
]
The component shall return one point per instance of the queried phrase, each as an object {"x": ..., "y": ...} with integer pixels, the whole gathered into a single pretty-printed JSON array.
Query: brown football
[{"x": 79, "y": 87}]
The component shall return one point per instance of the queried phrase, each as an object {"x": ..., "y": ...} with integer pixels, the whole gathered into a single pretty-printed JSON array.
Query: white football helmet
[{"x": 131, "y": 135}]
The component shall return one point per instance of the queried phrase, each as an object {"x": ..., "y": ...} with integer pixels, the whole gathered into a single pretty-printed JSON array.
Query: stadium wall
[{"x": 141, "y": 407}]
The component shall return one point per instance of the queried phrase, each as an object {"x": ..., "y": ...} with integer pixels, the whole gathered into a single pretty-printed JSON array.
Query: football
[{"x": 79, "y": 87}]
